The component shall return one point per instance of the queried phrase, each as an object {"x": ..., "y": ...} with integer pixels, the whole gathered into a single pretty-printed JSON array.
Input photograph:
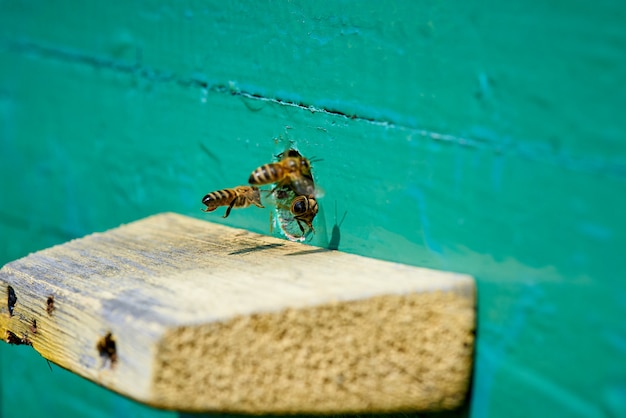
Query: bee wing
[
  {"x": 304, "y": 185},
  {"x": 318, "y": 192},
  {"x": 269, "y": 197}
]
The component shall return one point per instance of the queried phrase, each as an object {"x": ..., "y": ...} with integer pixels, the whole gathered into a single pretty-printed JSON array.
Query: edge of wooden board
[{"x": 205, "y": 317}]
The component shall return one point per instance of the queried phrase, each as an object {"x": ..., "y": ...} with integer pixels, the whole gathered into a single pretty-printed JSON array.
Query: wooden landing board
[{"x": 184, "y": 314}]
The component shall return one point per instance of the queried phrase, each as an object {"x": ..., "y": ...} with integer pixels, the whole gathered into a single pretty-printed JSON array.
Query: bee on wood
[
  {"x": 304, "y": 209},
  {"x": 292, "y": 171},
  {"x": 238, "y": 197}
]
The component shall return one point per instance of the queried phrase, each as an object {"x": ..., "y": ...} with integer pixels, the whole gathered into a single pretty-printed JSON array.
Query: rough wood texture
[{"x": 188, "y": 315}]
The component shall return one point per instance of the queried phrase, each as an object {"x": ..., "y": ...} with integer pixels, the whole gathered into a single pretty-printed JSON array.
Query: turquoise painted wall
[{"x": 481, "y": 137}]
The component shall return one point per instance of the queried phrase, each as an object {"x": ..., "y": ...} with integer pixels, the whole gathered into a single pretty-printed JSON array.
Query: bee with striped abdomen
[
  {"x": 237, "y": 197},
  {"x": 292, "y": 171}
]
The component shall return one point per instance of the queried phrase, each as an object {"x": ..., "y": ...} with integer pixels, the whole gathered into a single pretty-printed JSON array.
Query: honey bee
[
  {"x": 304, "y": 209},
  {"x": 238, "y": 197},
  {"x": 294, "y": 214},
  {"x": 292, "y": 171}
]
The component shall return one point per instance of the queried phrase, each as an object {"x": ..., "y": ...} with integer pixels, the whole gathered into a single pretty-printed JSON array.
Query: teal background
[{"x": 484, "y": 137}]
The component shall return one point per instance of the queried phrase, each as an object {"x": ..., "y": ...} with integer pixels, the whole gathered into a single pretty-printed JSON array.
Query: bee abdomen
[
  {"x": 268, "y": 173},
  {"x": 217, "y": 198}
]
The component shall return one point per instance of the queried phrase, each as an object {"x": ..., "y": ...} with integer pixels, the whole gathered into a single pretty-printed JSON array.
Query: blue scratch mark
[
  {"x": 458, "y": 172},
  {"x": 483, "y": 84},
  {"x": 490, "y": 357},
  {"x": 615, "y": 400},
  {"x": 417, "y": 194},
  {"x": 596, "y": 231},
  {"x": 496, "y": 173},
  {"x": 372, "y": 115}
]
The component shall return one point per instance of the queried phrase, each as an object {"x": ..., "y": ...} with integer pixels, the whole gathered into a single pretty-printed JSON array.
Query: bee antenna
[
  {"x": 315, "y": 159},
  {"x": 342, "y": 218}
]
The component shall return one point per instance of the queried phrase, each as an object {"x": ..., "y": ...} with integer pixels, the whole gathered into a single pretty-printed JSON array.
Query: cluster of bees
[{"x": 293, "y": 194}]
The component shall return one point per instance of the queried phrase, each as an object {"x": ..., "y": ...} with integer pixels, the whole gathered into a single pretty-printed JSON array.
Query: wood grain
[{"x": 188, "y": 315}]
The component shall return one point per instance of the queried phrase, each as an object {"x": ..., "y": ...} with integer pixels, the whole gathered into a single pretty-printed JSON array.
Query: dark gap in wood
[
  {"x": 12, "y": 338},
  {"x": 11, "y": 300},
  {"x": 107, "y": 348},
  {"x": 50, "y": 305}
]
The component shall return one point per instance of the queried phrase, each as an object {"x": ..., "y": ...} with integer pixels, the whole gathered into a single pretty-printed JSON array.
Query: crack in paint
[{"x": 533, "y": 153}]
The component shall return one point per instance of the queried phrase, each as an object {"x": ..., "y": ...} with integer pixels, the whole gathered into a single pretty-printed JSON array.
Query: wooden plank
[{"x": 184, "y": 314}]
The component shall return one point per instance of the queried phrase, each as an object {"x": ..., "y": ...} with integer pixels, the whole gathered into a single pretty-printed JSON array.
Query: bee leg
[
  {"x": 269, "y": 193},
  {"x": 308, "y": 224},
  {"x": 300, "y": 226},
  {"x": 258, "y": 205},
  {"x": 281, "y": 183},
  {"x": 207, "y": 210},
  {"x": 229, "y": 208},
  {"x": 282, "y": 206}
]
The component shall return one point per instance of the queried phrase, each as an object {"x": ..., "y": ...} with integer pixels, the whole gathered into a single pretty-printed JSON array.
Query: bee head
[
  {"x": 299, "y": 205},
  {"x": 254, "y": 192}
]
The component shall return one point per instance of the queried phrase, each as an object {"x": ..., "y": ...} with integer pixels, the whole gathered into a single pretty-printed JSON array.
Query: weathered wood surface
[{"x": 184, "y": 314}]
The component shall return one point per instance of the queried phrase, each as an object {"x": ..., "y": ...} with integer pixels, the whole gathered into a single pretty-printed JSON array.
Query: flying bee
[
  {"x": 238, "y": 197},
  {"x": 304, "y": 209},
  {"x": 292, "y": 171}
]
